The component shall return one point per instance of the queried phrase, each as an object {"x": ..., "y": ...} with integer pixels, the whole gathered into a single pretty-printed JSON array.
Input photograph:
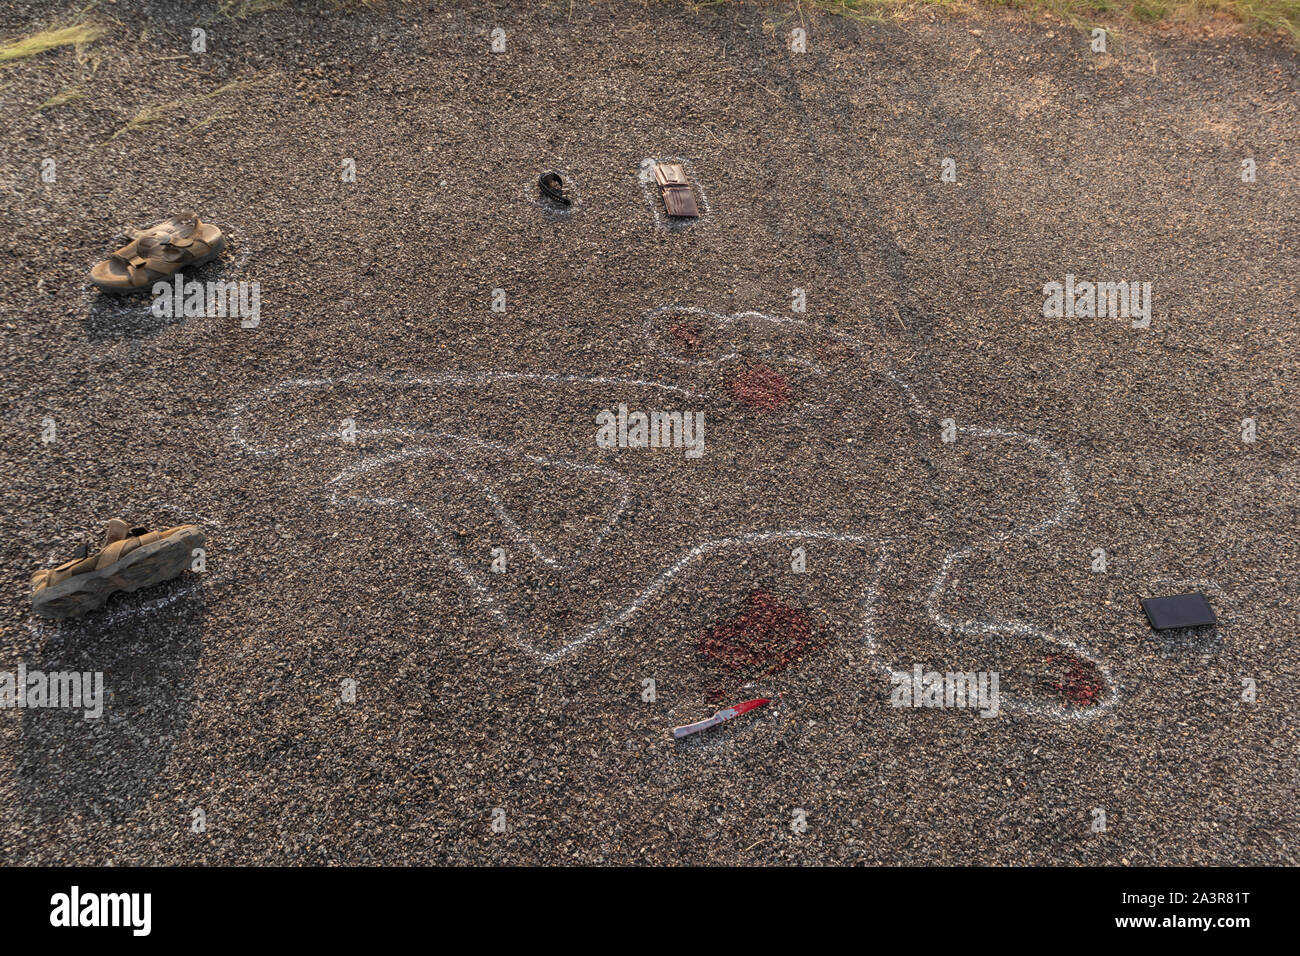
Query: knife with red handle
[{"x": 721, "y": 716}]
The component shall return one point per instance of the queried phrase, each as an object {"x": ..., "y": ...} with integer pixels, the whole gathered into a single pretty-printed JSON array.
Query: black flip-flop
[{"x": 551, "y": 184}]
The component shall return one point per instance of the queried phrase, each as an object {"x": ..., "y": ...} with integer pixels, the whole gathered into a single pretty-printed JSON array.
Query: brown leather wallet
[{"x": 678, "y": 198}]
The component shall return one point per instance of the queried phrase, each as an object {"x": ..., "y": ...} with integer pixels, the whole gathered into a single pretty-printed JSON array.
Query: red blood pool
[
  {"x": 1080, "y": 682},
  {"x": 763, "y": 639},
  {"x": 761, "y": 387}
]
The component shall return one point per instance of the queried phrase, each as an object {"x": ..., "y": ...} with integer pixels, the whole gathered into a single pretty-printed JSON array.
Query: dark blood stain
[
  {"x": 763, "y": 639},
  {"x": 761, "y": 387},
  {"x": 1080, "y": 682},
  {"x": 688, "y": 336}
]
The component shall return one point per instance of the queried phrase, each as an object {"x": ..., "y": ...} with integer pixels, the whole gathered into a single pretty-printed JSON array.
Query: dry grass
[
  {"x": 1268, "y": 16},
  {"x": 238, "y": 9},
  {"x": 159, "y": 112},
  {"x": 78, "y": 34},
  {"x": 63, "y": 96}
]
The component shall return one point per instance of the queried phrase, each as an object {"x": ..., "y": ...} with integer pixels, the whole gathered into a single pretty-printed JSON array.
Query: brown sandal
[
  {"x": 158, "y": 252},
  {"x": 132, "y": 558}
]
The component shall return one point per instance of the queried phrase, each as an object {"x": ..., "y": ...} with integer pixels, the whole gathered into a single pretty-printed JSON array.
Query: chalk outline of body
[{"x": 444, "y": 442}]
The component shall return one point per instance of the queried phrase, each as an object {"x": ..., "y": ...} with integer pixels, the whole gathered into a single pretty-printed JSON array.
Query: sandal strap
[{"x": 181, "y": 231}]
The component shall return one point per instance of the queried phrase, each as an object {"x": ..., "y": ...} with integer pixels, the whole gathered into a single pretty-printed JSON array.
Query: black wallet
[{"x": 1179, "y": 610}]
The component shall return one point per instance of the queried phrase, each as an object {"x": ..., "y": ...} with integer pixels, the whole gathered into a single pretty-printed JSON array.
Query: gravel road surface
[{"x": 352, "y": 681}]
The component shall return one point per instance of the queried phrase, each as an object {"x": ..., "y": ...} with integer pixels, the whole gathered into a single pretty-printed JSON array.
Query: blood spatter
[
  {"x": 765, "y": 638},
  {"x": 760, "y": 387},
  {"x": 1078, "y": 682}
]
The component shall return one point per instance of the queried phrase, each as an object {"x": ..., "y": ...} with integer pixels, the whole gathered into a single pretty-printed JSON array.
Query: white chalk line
[
  {"x": 97, "y": 620},
  {"x": 450, "y": 378},
  {"x": 475, "y": 581},
  {"x": 739, "y": 318},
  {"x": 503, "y": 513},
  {"x": 939, "y": 586},
  {"x": 943, "y": 579}
]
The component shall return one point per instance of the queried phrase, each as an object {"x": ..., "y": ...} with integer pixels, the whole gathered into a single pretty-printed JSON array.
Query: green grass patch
[
  {"x": 1265, "y": 15},
  {"x": 1268, "y": 16}
]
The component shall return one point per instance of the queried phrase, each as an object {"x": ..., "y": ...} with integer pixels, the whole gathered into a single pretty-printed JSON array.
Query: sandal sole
[{"x": 147, "y": 565}]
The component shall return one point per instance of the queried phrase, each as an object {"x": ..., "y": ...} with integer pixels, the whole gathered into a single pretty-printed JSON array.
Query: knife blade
[{"x": 720, "y": 717}]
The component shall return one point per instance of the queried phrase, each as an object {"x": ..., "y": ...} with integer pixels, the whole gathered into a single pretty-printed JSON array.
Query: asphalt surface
[{"x": 369, "y": 561}]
